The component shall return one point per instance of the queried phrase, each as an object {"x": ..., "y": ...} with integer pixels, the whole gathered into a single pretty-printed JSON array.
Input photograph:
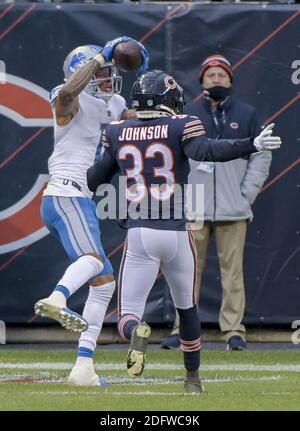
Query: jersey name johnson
[
  {"x": 145, "y": 133},
  {"x": 151, "y": 156}
]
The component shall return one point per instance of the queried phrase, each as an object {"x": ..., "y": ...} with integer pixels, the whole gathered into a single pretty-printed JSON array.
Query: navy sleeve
[
  {"x": 103, "y": 170},
  {"x": 217, "y": 150},
  {"x": 197, "y": 147}
]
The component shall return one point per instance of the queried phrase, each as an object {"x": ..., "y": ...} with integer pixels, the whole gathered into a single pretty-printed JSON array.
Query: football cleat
[
  {"x": 83, "y": 373},
  {"x": 55, "y": 310},
  {"x": 193, "y": 386},
  {"x": 137, "y": 350},
  {"x": 192, "y": 383}
]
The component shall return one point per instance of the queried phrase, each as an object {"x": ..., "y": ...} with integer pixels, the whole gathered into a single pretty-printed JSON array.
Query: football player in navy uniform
[{"x": 152, "y": 152}]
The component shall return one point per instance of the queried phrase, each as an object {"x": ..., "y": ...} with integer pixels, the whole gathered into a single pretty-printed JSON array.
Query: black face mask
[{"x": 218, "y": 92}]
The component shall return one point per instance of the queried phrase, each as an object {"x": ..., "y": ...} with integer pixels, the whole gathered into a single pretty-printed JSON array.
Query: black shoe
[
  {"x": 192, "y": 383},
  {"x": 171, "y": 342},
  {"x": 193, "y": 387},
  {"x": 236, "y": 343}
]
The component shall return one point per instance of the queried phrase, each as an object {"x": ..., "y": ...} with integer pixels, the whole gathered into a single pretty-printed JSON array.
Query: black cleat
[{"x": 193, "y": 386}]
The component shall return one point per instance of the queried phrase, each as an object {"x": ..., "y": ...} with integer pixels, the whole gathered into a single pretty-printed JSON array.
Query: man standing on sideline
[
  {"x": 82, "y": 107},
  {"x": 229, "y": 191},
  {"x": 153, "y": 152}
]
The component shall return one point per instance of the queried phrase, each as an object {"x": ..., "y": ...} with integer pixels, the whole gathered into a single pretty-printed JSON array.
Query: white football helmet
[{"x": 105, "y": 83}]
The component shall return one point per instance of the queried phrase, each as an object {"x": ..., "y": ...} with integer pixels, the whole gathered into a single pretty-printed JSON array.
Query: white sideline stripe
[
  {"x": 150, "y": 366},
  {"x": 118, "y": 394},
  {"x": 138, "y": 394},
  {"x": 48, "y": 378}
]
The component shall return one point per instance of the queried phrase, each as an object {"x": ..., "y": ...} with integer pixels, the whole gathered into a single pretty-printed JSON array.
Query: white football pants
[{"x": 148, "y": 250}]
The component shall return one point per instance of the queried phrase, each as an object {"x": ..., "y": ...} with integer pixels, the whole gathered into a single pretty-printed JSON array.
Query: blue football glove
[
  {"x": 145, "y": 60},
  {"x": 108, "y": 50}
]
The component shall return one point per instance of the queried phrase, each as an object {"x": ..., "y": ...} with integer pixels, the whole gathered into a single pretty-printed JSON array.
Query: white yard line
[
  {"x": 142, "y": 393},
  {"x": 122, "y": 394},
  {"x": 150, "y": 366},
  {"x": 113, "y": 380}
]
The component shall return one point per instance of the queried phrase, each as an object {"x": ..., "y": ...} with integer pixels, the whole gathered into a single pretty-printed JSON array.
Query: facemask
[{"x": 218, "y": 92}]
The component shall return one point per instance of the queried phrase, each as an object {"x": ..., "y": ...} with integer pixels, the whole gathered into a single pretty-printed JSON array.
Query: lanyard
[{"x": 217, "y": 124}]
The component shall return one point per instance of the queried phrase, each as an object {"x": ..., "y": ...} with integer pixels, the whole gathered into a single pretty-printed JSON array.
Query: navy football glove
[{"x": 145, "y": 60}]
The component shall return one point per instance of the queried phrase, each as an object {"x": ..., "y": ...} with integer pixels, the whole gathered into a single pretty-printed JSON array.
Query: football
[{"x": 127, "y": 56}]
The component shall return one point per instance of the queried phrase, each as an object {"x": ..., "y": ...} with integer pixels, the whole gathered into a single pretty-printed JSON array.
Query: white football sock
[
  {"x": 58, "y": 298},
  {"x": 84, "y": 361},
  {"x": 94, "y": 313},
  {"x": 79, "y": 272}
]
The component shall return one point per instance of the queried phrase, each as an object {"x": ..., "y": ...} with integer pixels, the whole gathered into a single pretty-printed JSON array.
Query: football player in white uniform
[{"x": 82, "y": 107}]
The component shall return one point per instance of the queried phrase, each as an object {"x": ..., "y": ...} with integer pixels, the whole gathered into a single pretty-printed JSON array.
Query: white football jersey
[{"x": 77, "y": 145}]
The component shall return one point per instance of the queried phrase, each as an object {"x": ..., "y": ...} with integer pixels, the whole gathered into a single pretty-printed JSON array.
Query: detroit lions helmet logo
[{"x": 79, "y": 59}]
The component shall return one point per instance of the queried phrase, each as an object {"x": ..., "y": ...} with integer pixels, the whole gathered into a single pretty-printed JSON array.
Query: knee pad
[{"x": 96, "y": 264}]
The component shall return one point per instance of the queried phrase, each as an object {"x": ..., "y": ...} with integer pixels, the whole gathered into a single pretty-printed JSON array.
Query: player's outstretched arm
[
  {"x": 67, "y": 102},
  {"x": 203, "y": 149}
]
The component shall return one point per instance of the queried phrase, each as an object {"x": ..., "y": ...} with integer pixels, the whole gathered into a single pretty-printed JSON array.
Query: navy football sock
[
  {"x": 126, "y": 325},
  {"x": 190, "y": 337}
]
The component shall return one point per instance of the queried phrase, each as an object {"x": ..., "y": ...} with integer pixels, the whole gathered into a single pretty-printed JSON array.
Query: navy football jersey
[{"x": 153, "y": 157}]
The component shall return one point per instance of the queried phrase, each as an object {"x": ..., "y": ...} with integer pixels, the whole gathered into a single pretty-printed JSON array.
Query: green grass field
[{"x": 35, "y": 380}]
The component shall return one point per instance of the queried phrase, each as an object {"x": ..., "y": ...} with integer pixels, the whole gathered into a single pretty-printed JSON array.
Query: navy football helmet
[
  {"x": 107, "y": 74},
  {"x": 157, "y": 91}
]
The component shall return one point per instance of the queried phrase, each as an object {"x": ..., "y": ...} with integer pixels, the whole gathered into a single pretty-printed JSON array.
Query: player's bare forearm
[
  {"x": 79, "y": 80},
  {"x": 66, "y": 100}
]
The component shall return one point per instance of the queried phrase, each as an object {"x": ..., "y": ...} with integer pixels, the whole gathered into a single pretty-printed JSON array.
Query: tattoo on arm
[
  {"x": 78, "y": 81},
  {"x": 67, "y": 102}
]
